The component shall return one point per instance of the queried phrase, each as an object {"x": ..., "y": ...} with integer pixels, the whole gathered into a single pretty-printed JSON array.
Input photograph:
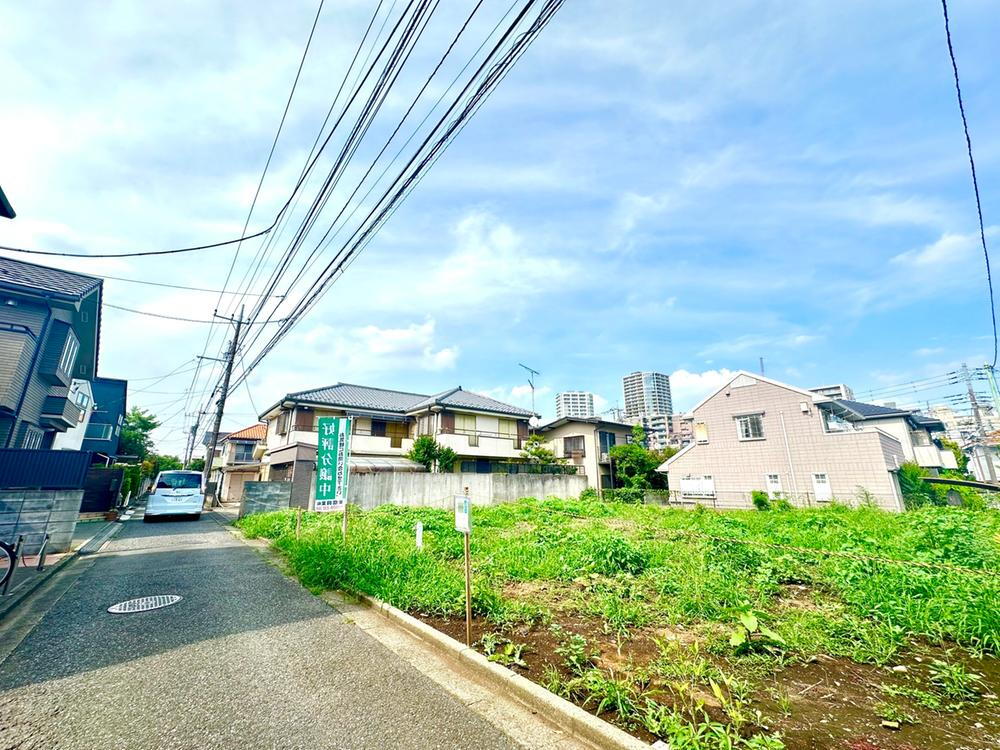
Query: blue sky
[{"x": 682, "y": 187}]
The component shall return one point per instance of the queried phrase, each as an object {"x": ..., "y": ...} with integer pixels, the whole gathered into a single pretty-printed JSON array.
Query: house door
[
  {"x": 773, "y": 484},
  {"x": 821, "y": 488}
]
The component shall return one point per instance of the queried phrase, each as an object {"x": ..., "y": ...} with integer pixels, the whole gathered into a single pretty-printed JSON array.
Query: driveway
[{"x": 246, "y": 659}]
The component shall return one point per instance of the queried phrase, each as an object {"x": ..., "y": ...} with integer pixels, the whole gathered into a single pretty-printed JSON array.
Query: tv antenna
[{"x": 531, "y": 382}]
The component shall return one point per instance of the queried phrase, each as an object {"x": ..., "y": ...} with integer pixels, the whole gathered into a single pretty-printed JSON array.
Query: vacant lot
[{"x": 709, "y": 630}]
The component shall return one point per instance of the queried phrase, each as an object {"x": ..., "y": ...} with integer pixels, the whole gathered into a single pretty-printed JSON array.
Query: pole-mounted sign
[{"x": 332, "y": 463}]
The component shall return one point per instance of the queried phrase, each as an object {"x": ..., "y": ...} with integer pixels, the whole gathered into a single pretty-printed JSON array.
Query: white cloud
[
  {"x": 688, "y": 388},
  {"x": 929, "y": 351},
  {"x": 748, "y": 342}
]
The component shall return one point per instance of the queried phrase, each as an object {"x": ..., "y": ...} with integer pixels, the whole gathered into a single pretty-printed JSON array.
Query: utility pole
[
  {"x": 221, "y": 406},
  {"x": 980, "y": 430}
]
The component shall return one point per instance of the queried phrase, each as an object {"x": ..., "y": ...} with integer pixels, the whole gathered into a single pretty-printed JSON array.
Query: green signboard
[{"x": 332, "y": 464}]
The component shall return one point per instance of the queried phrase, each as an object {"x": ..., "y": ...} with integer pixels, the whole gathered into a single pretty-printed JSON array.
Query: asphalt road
[{"x": 247, "y": 659}]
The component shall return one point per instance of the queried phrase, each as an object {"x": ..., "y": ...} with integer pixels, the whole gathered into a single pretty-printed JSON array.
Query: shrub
[
  {"x": 612, "y": 553},
  {"x": 916, "y": 492},
  {"x": 760, "y": 500},
  {"x": 589, "y": 495}
]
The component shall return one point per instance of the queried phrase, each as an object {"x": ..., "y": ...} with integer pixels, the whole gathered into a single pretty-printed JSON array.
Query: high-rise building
[
  {"x": 838, "y": 390},
  {"x": 574, "y": 404},
  {"x": 646, "y": 394}
]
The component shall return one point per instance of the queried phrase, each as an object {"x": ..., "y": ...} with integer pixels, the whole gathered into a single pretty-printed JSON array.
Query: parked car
[{"x": 176, "y": 493}]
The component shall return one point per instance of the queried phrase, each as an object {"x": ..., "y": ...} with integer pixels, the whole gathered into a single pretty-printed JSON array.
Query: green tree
[
  {"x": 960, "y": 458},
  {"x": 136, "y": 436},
  {"x": 535, "y": 452},
  {"x": 166, "y": 463},
  {"x": 635, "y": 465},
  {"x": 197, "y": 464},
  {"x": 917, "y": 492},
  {"x": 432, "y": 455}
]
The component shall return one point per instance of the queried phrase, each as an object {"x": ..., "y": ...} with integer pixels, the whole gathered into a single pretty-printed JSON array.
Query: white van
[{"x": 175, "y": 493}]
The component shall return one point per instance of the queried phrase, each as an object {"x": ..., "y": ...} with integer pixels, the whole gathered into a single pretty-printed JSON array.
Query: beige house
[
  {"x": 586, "y": 442},
  {"x": 237, "y": 461},
  {"x": 756, "y": 433},
  {"x": 486, "y": 434}
]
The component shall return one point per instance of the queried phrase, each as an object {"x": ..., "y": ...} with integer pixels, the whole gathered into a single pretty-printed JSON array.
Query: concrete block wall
[
  {"x": 437, "y": 490},
  {"x": 264, "y": 497},
  {"x": 35, "y": 513}
]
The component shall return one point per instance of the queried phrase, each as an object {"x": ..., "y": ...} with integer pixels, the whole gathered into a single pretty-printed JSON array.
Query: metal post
[
  {"x": 13, "y": 563},
  {"x": 223, "y": 392},
  {"x": 468, "y": 586},
  {"x": 41, "y": 553}
]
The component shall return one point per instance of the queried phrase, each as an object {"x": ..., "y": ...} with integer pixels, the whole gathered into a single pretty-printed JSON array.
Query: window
[
  {"x": 833, "y": 423},
  {"x": 573, "y": 447},
  {"x": 82, "y": 400},
  {"x": 607, "y": 441},
  {"x": 98, "y": 432},
  {"x": 378, "y": 428},
  {"x": 773, "y": 482},
  {"x": 32, "y": 438},
  {"x": 243, "y": 452},
  {"x": 700, "y": 432},
  {"x": 70, "y": 348},
  {"x": 283, "y": 419},
  {"x": 750, "y": 427},
  {"x": 425, "y": 425},
  {"x": 508, "y": 428},
  {"x": 397, "y": 432},
  {"x": 465, "y": 423},
  {"x": 177, "y": 480}
]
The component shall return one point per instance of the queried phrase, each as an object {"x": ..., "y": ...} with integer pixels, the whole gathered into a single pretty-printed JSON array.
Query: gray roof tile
[
  {"x": 381, "y": 399},
  {"x": 871, "y": 410},
  {"x": 45, "y": 278}
]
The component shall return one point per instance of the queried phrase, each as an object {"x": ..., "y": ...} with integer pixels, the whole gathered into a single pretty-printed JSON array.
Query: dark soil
[{"x": 831, "y": 700}]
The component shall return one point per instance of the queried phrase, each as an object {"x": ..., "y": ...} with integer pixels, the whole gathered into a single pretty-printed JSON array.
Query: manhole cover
[{"x": 143, "y": 604}]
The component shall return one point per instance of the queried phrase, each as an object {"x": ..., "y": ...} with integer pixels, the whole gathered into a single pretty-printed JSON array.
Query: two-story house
[
  {"x": 586, "y": 442},
  {"x": 755, "y": 433},
  {"x": 103, "y": 435},
  {"x": 238, "y": 461},
  {"x": 49, "y": 337},
  {"x": 486, "y": 434}
]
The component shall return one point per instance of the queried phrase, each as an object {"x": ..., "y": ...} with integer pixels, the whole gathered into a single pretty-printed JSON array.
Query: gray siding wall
[
  {"x": 851, "y": 460},
  {"x": 18, "y": 349},
  {"x": 38, "y": 389}
]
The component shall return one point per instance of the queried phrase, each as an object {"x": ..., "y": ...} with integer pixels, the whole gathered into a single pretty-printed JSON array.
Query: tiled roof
[
  {"x": 467, "y": 399},
  {"x": 380, "y": 399},
  {"x": 253, "y": 432},
  {"x": 360, "y": 397},
  {"x": 867, "y": 411},
  {"x": 54, "y": 280}
]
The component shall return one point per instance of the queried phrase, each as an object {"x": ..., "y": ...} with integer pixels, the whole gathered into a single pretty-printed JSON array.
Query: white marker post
[
  {"x": 420, "y": 535},
  {"x": 463, "y": 524}
]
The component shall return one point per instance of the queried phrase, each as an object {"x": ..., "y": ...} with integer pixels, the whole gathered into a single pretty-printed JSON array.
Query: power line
[
  {"x": 170, "y": 286},
  {"x": 975, "y": 182},
  {"x": 274, "y": 143},
  {"x": 174, "y": 317},
  {"x": 389, "y": 200}
]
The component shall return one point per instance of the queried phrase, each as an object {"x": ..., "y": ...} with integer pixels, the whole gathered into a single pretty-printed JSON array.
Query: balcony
[
  {"x": 58, "y": 412},
  {"x": 932, "y": 457}
]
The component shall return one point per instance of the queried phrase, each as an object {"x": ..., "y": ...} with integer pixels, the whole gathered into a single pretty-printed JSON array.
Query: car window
[{"x": 179, "y": 482}]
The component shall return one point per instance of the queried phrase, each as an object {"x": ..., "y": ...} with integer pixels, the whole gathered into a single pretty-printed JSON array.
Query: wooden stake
[{"x": 468, "y": 587}]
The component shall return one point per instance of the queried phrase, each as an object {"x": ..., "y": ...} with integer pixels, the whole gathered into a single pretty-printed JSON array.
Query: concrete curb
[
  {"x": 566, "y": 715},
  {"x": 106, "y": 533}
]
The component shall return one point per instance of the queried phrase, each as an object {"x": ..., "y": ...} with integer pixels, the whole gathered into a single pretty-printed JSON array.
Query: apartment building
[
  {"x": 646, "y": 393},
  {"x": 486, "y": 434},
  {"x": 755, "y": 433},
  {"x": 586, "y": 442},
  {"x": 837, "y": 390},
  {"x": 574, "y": 404}
]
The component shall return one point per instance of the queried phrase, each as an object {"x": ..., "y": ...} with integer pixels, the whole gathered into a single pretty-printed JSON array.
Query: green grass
[
  {"x": 635, "y": 570},
  {"x": 640, "y": 576}
]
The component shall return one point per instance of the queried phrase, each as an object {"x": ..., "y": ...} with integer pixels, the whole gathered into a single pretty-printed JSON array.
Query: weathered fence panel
[
  {"x": 436, "y": 490},
  {"x": 264, "y": 497}
]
